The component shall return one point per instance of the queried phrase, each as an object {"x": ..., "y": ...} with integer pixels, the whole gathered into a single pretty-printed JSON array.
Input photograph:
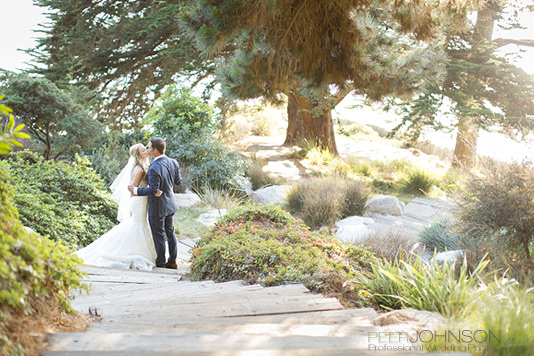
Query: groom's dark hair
[{"x": 158, "y": 143}]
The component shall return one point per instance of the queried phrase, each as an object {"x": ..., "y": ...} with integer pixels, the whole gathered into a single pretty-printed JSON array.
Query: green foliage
[
  {"x": 52, "y": 117},
  {"x": 323, "y": 201},
  {"x": 112, "y": 153},
  {"x": 220, "y": 199},
  {"x": 187, "y": 124},
  {"x": 267, "y": 245},
  {"x": 498, "y": 204},
  {"x": 9, "y": 134},
  {"x": 417, "y": 182},
  {"x": 64, "y": 201},
  {"x": 504, "y": 310},
  {"x": 440, "y": 236},
  {"x": 424, "y": 285},
  {"x": 32, "y": 269},
  {"x": 129, "y": 59}
]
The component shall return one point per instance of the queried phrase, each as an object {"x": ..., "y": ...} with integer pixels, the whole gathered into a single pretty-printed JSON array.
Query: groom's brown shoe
[{"x": 171, "y": 265}]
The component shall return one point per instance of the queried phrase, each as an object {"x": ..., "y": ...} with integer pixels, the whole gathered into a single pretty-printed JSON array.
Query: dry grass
[{"x": 29, "y": 331}]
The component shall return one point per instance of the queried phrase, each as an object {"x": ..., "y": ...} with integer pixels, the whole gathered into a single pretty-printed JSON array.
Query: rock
[
  {"x": 384, "y": 205},
  {"x": 354, "y": 229},
  {"x": 397, "y": 223},
  {"x": 275, "y": 194},
  {"x": 409, "y": 321},
  {"x": 449, "y": 257},
  {"x": 187, "y": 199},
  {"x": 210, "y": 218}
]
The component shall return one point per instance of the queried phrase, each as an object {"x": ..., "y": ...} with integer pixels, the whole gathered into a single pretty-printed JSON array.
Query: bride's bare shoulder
[{"x": 137, "y": 174}]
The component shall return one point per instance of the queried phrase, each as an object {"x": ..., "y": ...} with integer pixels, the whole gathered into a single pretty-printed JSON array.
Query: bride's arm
[{"x": 138, "y": 175}]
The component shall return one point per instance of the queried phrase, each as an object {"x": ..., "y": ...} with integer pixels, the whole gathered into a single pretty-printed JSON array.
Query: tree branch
[{"x": 501, "y": 42}]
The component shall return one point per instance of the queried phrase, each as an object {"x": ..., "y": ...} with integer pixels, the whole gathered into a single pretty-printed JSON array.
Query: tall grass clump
[
  {"x": 504, "y": 311},
  {"x": 417, "y": 182},
  {"x": 387, "y": 244},
  {"x": 323, "y": 201},
  {"x": 220, "y": 199},
  {"x": 418, "y": 284},
  {"x": 258, "y": 177},
  {"x": 440, "y": 236}
]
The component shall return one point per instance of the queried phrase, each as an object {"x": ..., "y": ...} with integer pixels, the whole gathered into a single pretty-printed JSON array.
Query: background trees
[
  {"x": 51, "y": 115},
  {"x": 481, "y": 88}
]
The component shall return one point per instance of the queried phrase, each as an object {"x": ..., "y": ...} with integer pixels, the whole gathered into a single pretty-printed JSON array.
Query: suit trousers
[{"x": 161, "y": 227}]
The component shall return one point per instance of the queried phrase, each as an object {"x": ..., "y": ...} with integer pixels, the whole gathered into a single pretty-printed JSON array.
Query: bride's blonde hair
[{"x": 134, "y": 152}]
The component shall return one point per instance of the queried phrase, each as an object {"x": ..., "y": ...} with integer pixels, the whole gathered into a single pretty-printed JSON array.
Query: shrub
[
  {"x": 220, "y": 199},
  {"x": 267, "y": 245},
  {"x": 188, "y": 125},
  {"x": 440, "y": 236},
  {"x": 36, "y": 277},
  {"x": 111, "y": 155},
  {"x": 64, "y": 201},
  {"x": 388, "y": 244},
  {"x": 417, "y": 182},
  {"x": 259, "y": 178},
  {"x": 358, "y": 131},
  {"x": 498, "y": 203},
  {"x": 324, "y": 201},
  {"x": 423, "y": 285},
  {"x": 503, "y": 312}
]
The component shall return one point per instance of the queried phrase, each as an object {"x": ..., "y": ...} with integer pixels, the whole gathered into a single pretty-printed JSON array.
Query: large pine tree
[
  {"x": 482, "y": 88},
  {"x": 312, "y": 51}
]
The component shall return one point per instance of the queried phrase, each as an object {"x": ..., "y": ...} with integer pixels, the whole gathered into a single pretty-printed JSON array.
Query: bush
[
  {"x": 220, "y": 199},
  {"x": 36, "y": 277},
  {"x": 267, "y": 245},
  {"x": 498, "y": 204},
  {"x": 440, "y": 236},
  {"x": 188, "y": 125},
  {"x": 111, "y": 155},
  {"x": 423, "y": 285},
  {"x": 259, "y": 178},
  {"x": 417, "y": 182},
  {"x": 388, "y": 244},
  {"x": 324, "y": 201},
  {"x": 64, "y": 201}
]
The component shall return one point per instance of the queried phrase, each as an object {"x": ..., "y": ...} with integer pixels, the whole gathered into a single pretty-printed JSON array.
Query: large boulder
[
  {"x": 449, "y": 257},
  {"x": 354, "y": 229},
  {"x": 275, "y": 194},
  {"x": 384, "y": 205},
  {"x": 210, "y": 218},
  {"x": 186, "y": 200}
]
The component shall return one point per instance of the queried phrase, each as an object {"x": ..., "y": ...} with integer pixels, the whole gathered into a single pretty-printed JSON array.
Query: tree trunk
[
  {"x": 295, "y": 128},
  {"x": 466, "y": 140},
  {"x": 307, "y": 119},
  {"x": 317, "y": 124},
  {"x": 465, "y": 151}
]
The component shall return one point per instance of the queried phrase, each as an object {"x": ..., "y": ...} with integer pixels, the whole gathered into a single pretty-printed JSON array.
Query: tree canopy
[{"x": 50, "y": 114}]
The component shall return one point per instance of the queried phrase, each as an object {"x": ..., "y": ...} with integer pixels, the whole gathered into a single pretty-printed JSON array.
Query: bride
[{"x": 129, "y": 244}]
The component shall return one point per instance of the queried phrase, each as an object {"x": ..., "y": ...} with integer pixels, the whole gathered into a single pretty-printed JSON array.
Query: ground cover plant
[
  {"x": 267, "y": 245},
  {"x": 37, "y": 276},
  {"x": 66, "y": 201}
]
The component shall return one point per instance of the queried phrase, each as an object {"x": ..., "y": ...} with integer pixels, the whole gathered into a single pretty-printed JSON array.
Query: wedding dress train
[{"x": 127, "y": 245}]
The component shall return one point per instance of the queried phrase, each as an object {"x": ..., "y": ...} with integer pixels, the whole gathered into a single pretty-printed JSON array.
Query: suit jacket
[{"x": 163, "y": 174}]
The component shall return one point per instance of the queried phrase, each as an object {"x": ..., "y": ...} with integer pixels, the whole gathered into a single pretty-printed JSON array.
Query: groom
[{"x": 163, "y": 174}]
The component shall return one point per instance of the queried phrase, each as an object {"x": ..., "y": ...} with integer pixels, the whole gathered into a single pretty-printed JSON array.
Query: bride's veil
[{"x": 119, "y": 187}]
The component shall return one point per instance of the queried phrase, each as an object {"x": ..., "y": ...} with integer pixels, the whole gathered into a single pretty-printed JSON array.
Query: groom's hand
[{"x": 158, "y": 193}]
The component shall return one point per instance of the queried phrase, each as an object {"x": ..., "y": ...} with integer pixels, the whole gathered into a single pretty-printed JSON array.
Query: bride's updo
[{"x": 135, "y": 153}]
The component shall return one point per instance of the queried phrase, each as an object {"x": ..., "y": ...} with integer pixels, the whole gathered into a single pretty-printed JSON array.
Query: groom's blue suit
[{"x": 163, "y": 174}]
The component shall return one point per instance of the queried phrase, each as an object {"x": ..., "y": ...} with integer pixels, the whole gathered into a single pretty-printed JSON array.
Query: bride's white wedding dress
[{"x": 127, "y": 245}]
